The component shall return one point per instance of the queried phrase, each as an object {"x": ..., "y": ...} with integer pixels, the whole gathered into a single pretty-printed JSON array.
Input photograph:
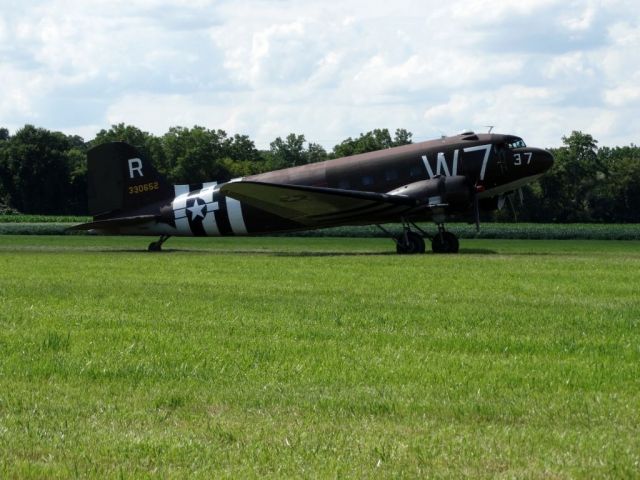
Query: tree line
[{"x": 45, "y": 172}]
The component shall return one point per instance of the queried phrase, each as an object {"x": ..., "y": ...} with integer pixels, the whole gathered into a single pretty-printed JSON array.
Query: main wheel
[
  {"x": 154, "y": 247},
  {"x": 413, "y": 243},
  {"x": 445, "y": 242}
]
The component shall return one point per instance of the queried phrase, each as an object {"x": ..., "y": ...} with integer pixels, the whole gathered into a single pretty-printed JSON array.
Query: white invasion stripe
[
  {"x": 209, "y": 184},
  {"x": 237, "y": 179},
  {"x": 180, "y": 202},
  {"x": 234, "y": 210},
  {"x": 180, "y": 189},
  {"x": 209, "y": 222},
  {"x": 206, "y": 194},
  {"x": 182, "y": 225}
]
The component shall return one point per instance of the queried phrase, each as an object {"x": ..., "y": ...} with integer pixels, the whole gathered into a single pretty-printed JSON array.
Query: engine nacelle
[{"x": 454, "y": 191}]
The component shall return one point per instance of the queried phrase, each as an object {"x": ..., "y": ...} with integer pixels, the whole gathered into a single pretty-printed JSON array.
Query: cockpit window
[{"x": 516, "y": 142}]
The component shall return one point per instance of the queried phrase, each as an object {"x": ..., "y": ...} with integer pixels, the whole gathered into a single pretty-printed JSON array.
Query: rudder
[{"x": 119, "y": 178}]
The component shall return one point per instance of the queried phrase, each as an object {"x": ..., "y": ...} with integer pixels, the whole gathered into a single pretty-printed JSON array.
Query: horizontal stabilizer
[
  {"x": 114, "y": 222},
  {"x": 309, "y": 205}
]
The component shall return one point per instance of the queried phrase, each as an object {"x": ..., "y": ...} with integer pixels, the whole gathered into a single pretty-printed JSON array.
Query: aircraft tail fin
[{"x": 120, "y": 179}]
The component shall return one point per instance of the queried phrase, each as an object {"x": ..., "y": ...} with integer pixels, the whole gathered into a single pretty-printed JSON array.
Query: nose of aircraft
[{"x": 543, "y": 160}]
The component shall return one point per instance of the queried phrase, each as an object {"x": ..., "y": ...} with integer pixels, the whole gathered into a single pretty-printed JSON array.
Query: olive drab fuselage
[{"x": 432, "y": 180}]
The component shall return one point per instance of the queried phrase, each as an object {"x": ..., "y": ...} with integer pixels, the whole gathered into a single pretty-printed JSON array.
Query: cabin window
[
  {"x": 391, "y": 175},
  {"x": 367, "y": 180},
  {"x": 516, "y": 143}
]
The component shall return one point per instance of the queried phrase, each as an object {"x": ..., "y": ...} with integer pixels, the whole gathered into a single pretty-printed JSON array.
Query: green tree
[
  {"x": 617, "y": 194},
  {"x": 241, "y": 148},
  {"x": 402, "y": 137},
  {"x": 35, "y": 170},
  {"x": 147, "y": 143},
  {"x": 316, "y": 153},
  {"x": 377, "y": 139},
  {"x": 4, "y": 173},
  {"x": 77, "y": 164},
  {"x": 196, "y": 154},
  {"x": 289, "y": 152},
  {"x": 242, "y": 158},
  {"x": 568, "y": 188},
  {"x": 292, "y": 152}
]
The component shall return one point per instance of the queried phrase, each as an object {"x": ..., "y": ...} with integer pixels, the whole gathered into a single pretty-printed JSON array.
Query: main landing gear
[
  {"x": 410, "y": 242},
  {"x": 444, "y": 242},
  {"x": 157, "y": 246}
]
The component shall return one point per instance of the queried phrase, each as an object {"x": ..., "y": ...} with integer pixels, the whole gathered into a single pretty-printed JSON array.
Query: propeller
[
  {"x": 502, "y": 199},
  {"x": 476, "y": 211},
  {"x": 513, "y": 207},
  {"x": 476, "y": 205},
  {"x": 508, "y": 198}
]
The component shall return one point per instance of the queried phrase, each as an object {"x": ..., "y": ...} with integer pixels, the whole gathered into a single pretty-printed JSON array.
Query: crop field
[
  {"x": 318, "y": 357},
  {"x": 57, "y": 225}
]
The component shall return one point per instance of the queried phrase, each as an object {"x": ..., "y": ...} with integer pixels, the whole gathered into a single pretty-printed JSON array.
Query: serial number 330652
[{"x": 144, "y": 187}]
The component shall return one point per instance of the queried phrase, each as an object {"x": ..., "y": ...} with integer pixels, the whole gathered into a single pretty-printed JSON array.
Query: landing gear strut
[{"x": 157, "y": 246}]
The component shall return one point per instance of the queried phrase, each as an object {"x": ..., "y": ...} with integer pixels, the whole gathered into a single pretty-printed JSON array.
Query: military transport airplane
[{"x": 435, "y": 180}]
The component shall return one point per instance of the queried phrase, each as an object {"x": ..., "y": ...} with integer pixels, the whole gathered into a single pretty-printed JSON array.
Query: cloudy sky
[{"x": 329, "y": 70}]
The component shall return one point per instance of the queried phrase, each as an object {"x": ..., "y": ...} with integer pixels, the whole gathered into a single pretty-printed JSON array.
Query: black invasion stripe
[
  {"x": 195, "y": 186},
  {"x": 197, "y": 228},
  {"x": 171, "y": 221},
  {"x": 222, "y": 217}
]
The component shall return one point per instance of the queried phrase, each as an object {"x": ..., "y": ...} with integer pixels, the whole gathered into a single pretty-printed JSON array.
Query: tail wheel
[
  {"x": 157, "y": 246},
  {"x": 409, "y": 243},
  {"x": 445, "y": 242}
]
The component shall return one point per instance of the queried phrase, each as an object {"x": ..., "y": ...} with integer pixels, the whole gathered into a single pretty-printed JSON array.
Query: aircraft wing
[
  {"x": 114, "y": 222},
  {"x": 313, "y": 205}
]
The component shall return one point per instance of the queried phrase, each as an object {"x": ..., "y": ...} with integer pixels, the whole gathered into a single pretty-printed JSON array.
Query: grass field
[{"x": 318, "y": 357}]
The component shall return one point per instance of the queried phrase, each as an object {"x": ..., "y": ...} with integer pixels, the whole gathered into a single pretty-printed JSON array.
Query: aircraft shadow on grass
[{"x": 277, "y": 253}]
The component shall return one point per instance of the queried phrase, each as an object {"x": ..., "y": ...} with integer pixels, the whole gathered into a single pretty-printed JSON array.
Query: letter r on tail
[{"x": 135, "y": 165}]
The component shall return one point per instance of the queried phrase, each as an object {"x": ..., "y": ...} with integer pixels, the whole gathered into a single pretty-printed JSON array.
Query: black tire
[
  {"x": 154, "y": 247},
  {"x": 445, "y": 242},
  {"x": 413, "y": 244}
]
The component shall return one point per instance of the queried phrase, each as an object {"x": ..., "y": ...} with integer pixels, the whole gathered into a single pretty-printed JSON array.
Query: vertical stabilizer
[{"x": 120, "y": 179}]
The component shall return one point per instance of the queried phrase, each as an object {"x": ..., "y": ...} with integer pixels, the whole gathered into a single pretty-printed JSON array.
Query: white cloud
[
  {"x": 538, "y": 68},
  {"x": 623, "y": 96}
]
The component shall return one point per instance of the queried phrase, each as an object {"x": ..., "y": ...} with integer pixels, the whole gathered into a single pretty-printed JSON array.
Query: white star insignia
[{"x": 197, "y": 210}]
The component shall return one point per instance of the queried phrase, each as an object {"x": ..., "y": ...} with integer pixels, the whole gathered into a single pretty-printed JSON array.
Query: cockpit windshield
[{"x": 515, "y": 142}]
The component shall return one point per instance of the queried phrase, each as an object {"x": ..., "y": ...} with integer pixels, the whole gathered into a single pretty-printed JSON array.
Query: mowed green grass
[{"x": 318, "y": 357}]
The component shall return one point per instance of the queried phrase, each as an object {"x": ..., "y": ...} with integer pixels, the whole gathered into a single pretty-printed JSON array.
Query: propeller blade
[
  {"x": 501, "y": 200},
  {"x": 476, "y": 211},
  {"x": 513, "y": 207}
]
